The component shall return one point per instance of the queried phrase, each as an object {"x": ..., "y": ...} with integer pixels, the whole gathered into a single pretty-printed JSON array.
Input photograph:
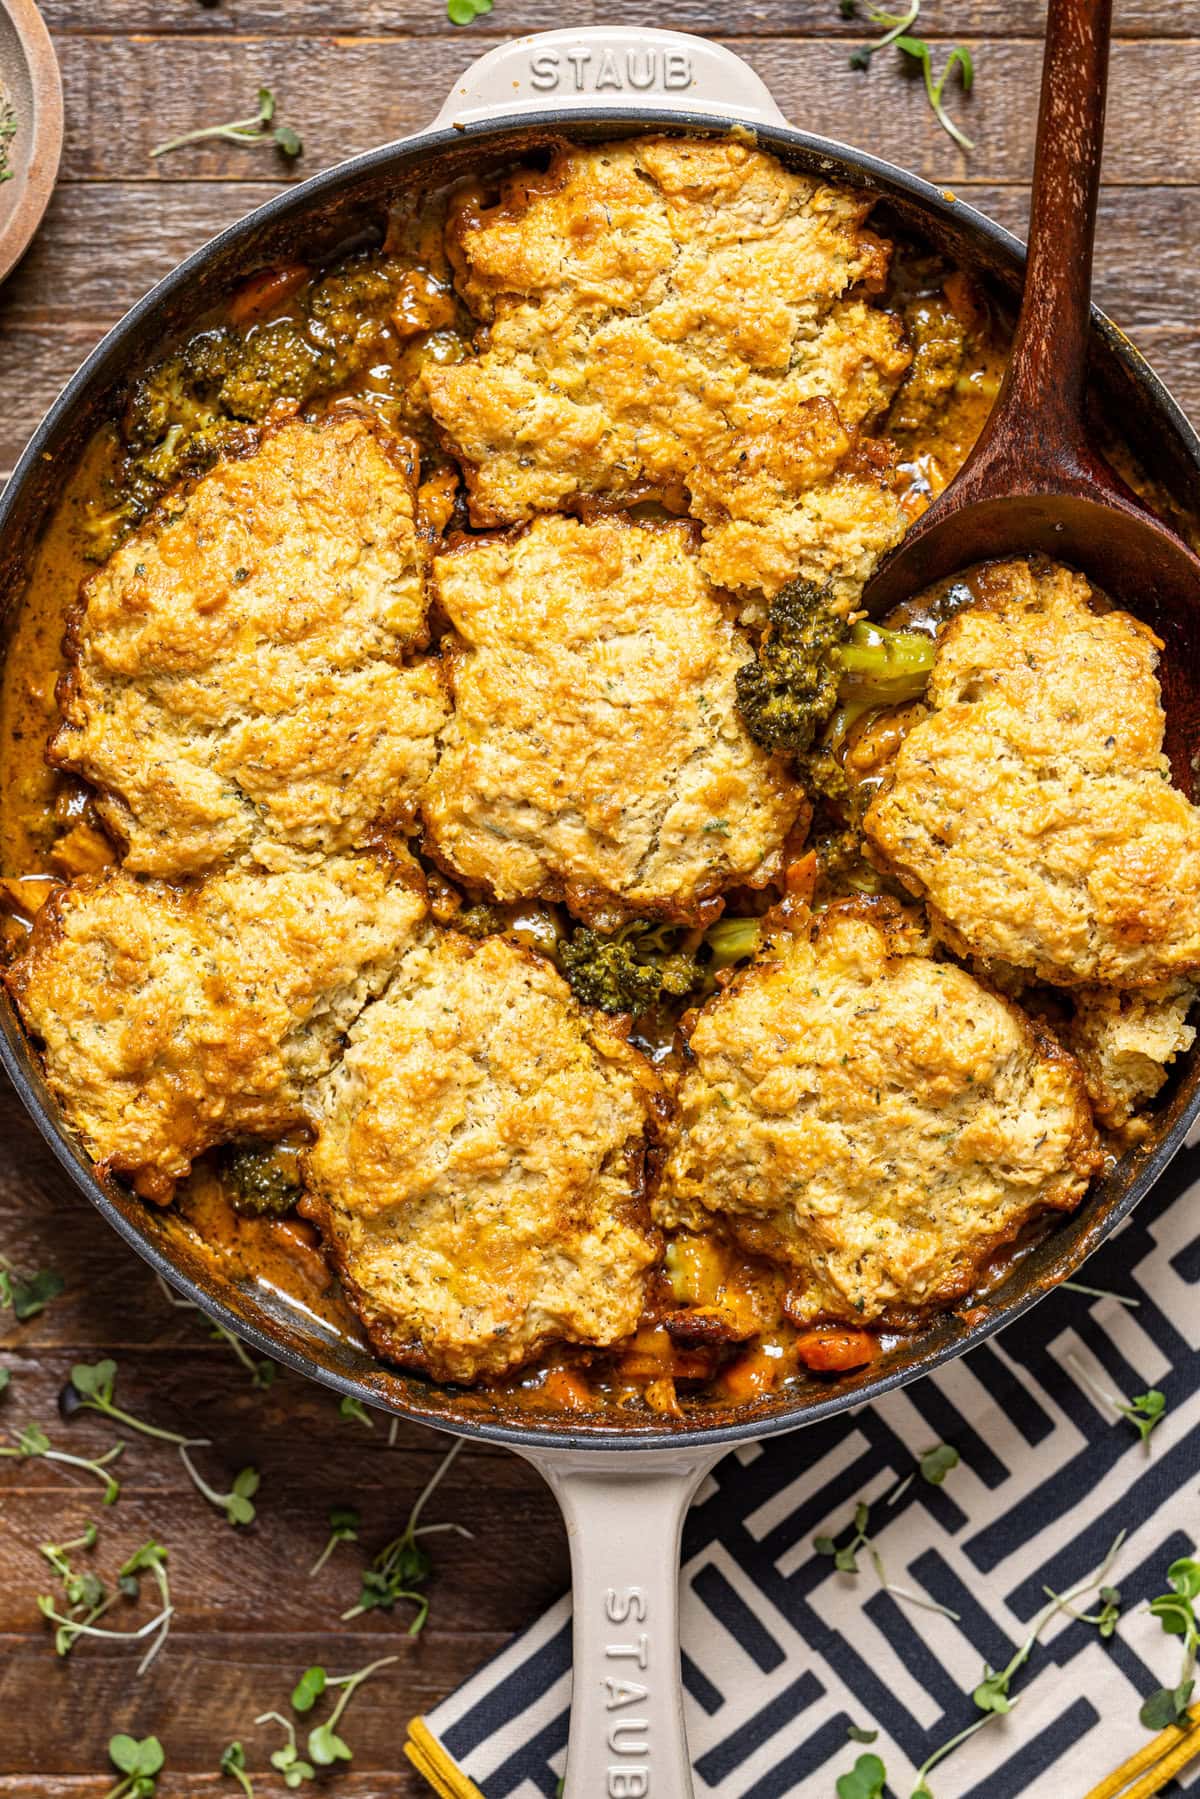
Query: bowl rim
[{"x": 839, "y": 161}]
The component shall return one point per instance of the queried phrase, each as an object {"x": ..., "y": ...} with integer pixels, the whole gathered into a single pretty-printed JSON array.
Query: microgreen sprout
[
  {"x": 898, "y": 31},
  {"x": 28, "y": 1294},
  {"x": 33, "y": 1441},
  {"x": 262, "y": 1374},
  {"x": 85, "y": 1590},
  {"x": 865, "y": 1780},
  {"x": 324, "y": 1747},
  {"x": 288, "y": 1760},
  {"x": 343, "y": 1528},
  {"x": 1122, "y": 1299},
  {"x": 91, "y": 1388},
  {"x": 353, "y": 1410},
  {"x": 937, "y": 1462},
  {"x": 236, "y": 1504},
  {"x": 461, "y": 12},
  {"x": 233, "y": 1763},
  {"x": 845, "y": 1560},
  {"x": 89, "y": 1599},
  {"x": 1176, "y": 1612},
  {"x": 139, "y": 1764},
  {"x": 895, "y": 23},
  {"x": 857, "y": 1734},
  {"x": 403, "y": 1565},
  {"x": 1144, "y": 1411},
  {"x": 259, "y": 129},
  {"x": 959, "y": 59},
  {"x": 921, "y": 1790},
  {"x": 5, "y": 1379},
  {"x": 992, "y": 1693}
]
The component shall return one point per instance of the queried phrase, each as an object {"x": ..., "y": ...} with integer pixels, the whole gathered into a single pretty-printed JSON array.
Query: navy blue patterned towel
[{"x": 782, "y": 1653}]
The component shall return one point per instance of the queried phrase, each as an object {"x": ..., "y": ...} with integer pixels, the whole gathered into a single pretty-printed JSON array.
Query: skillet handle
[
  {"x": 607, "y": 67},
  {"x": 624, "y": 1514}
]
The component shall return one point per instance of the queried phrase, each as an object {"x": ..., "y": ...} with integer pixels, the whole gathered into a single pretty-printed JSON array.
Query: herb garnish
[
  {"x": 343, "y": 1528},
  {"x": 33, "y": 1441},
  {"x": 1144, "y": 1410},
  {"x": 260, "y": 129},
  {"x": 233, "y": 1763},
  {"x": 865, "y": 1780},
  {"x": 8, "y": 130},
  {"x": 88, "y": 1595},
  {"x": 1176, "y": 1612},
  {"x": 324, "y": 1746},
  {"x": 236, "y": 1504},
  {"x": 1122, "y": 1299},
  {"x": 461, "y": 12},
  {"x": 138, "y": 1762},
  {"x": 937, "y": 1462},
  {"x": 845, "y": 1560},
  {"x": 261, "y": 1373},
  {"x": 898, "y": 33},
  {"x": 27, "y": 1294},
  {"x": 91, "y": 1388},
  {"x": 353, "y": 1410},
  {"x": 403, "y": 1565}
]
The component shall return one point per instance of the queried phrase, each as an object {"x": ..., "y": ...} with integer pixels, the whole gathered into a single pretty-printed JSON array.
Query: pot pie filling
[{"x": 471, "y": 857}]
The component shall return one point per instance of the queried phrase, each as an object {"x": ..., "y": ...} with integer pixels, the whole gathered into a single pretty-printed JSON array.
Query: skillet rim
[{"x": 889, "y": 181}]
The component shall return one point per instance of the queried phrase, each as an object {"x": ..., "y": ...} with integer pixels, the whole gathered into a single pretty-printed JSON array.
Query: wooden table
[{"x": 349, "y": 74}]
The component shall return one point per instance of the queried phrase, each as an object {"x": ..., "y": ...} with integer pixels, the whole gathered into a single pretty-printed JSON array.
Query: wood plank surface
[{"x": 349, "y": 74}]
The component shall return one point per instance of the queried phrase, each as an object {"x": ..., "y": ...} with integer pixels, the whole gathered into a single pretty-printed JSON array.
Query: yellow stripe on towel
[{"x": 434, "y": 1763}]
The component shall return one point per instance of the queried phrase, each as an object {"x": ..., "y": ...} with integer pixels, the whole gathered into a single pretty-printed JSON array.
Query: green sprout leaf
[
  {"x": 461, "y": 12},
  {"x": 866, "y": 1779},
  {"x": 326, "y": 1747},
  {"x": 857, "y": 1734},
  {"x": 353, "y": 1410},
  {"x": 937, "y": 1462},
  {"x": 308, "y": 1689},
  {"x": 233, "y": 1763},
  {"x": 252, "y": 131},
  {"x": 28, "y": 1294},
  {"x": 958, "y": 59}
]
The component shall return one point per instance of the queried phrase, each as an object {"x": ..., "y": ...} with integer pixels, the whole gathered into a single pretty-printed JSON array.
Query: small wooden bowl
[{"x": 29, "y": 74}]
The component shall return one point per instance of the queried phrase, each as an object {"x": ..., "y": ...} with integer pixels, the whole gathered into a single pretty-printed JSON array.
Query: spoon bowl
[{"x": 1033, "y": 483}]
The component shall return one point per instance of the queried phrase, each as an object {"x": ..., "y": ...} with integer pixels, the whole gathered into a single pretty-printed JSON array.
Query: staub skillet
[{"x": 623, "y": 1490}]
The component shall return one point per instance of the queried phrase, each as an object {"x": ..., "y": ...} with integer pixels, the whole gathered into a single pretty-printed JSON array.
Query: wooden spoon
[{"x": 1033, "y": 481}]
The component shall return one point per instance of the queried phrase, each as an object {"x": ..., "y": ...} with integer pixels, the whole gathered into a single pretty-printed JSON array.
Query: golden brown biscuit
[
  {"x": 666, "y": 314},
  {"x": 479, "y": 1169},
  {"x": 1125, "y": 1043},
  {"x": 238, "y": 685},
  {"x": 175, "y": 1020},
  {"x": 1033, "y": 810},
  {"x": 595, "y": 751},
  {"x": 877, "y": 1122}
]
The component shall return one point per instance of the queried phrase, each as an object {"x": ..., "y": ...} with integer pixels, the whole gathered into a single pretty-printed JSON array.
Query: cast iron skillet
[{"x": 624, "y": 1487}]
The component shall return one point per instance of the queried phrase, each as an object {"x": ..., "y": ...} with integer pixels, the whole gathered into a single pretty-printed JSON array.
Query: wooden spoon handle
[{"x": 1044, "y": 388}]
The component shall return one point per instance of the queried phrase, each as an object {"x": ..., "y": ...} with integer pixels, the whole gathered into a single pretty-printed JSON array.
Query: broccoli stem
[{"x": 886, "y": 667}]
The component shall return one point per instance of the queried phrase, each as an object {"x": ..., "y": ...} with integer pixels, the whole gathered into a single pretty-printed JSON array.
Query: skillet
[{"x": 623, "y": 1488}]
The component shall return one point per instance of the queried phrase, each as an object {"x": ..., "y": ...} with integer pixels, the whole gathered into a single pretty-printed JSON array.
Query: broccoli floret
[
  {"x": 182, "y": 390},
  {"x": 791, "y": 687},
  {"x": 276, "y": 362},
  {"x": 481, "y": 921},
  {"x": 644, "y": 964},
  {"x": 809, "y": 660},
  {"x": 348, "y": 308},
  {"x": 257, "y": 1182},
  {"x": 628, "y": 972}
]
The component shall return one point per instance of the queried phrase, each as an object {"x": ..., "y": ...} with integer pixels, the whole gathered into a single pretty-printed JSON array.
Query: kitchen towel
[{"x": 781, "y": 1652}]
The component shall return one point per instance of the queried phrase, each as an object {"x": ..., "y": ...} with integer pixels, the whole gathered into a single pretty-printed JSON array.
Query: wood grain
[
  {"x": 987, "y": 19},
  {"x": 351, "y": 73},
  {"x": 346, "y": 94}
]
